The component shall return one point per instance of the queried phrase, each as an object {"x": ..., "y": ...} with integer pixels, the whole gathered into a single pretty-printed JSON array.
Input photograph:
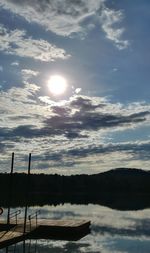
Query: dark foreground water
[{"x": 111, "y": 231}]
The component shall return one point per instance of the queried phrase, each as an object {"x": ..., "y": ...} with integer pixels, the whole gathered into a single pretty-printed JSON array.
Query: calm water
[{"x": 111, "y": 231}]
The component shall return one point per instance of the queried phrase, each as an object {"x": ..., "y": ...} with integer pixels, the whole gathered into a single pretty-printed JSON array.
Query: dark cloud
[
  {"x": 85, "y": 104},
  {"x": 69, "y": 157},
  {"x": 141, "y": 150},
  {"x": 87, "y": 118},
  {"x": 62, "y": 111},
  {"x": 78, "y": 119},
  {"x": 20, "y": 131}
]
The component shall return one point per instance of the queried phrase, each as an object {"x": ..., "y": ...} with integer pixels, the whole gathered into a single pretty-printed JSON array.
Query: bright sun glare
[{"x": 57, "y": 84}]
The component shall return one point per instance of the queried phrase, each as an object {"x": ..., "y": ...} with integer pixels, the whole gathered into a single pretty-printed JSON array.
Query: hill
[{"x": 116, "y": 188}]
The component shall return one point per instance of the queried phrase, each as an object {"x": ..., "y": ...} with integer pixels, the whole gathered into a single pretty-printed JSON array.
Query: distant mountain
[
  {"x": 118, "y": 188},
  {"x": 121, "y": 180},
  {"x": 126, "y": 170}
]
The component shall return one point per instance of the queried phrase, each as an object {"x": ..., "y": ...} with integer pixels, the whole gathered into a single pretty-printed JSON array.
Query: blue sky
[{"x": 101, "y": 121}]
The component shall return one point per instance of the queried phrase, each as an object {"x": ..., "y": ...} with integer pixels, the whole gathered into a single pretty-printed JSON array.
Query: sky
[{"x": 100, "y": 49}]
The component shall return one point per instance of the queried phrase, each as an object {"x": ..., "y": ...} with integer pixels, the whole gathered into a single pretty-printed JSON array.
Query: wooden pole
[
  {"x": 10, "y": 188},
  {"x": 29, "y": 165},
  {"x": 12, "y": 163},
  {"x": 24, "y": 246},
  {"x": 27, "y": 191}
]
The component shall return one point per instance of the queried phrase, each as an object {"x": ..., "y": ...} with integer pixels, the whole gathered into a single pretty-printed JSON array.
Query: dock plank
[
  {"x": 10, "y": 237},
  {"x": 14, "y": 235},
  {"x": 62, "y": 223},
  {"x": 45, "y": 229},
  {"x": 70, "y": 230}
]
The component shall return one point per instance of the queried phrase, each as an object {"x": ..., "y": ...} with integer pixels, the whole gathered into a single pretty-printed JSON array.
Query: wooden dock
[
  {"x": 45, "y": 229},
  {"x": 61, "y": 229},
  {"x": 31, "y": 227}
]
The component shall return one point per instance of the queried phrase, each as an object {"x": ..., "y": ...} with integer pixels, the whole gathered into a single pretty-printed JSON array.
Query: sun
[{"x": 57, "y": 85}]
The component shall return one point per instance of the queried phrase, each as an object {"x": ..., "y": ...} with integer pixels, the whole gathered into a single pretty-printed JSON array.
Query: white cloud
[
  {"x": 1, "y": 68},
  {"x": 19, "y": 106},
  {"x": 78, "y": 90},
  {"x": 115, "y": 69},
  {"x": 15, "y": 63},
  {"x": 61, "y": 17},
  {"x": 109, "y": 19},
  {"x": 28, "y": 73},
  {"x": 16, "y": 42},
  {"x": 68, "y": 17}
]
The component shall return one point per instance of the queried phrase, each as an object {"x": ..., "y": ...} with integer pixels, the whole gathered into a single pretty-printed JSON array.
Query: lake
[{"x": 111, "y": 230}]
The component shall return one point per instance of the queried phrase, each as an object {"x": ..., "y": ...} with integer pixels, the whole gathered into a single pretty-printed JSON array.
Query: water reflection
[{"x": 111, "y": 231}]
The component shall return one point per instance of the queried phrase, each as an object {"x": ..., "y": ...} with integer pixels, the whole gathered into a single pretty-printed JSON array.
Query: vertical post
[
  {"x": 29, "y": 164},
  {"x": 29, "y": 246},
  {"x": 36, "y": 219},
  {"x": 10, "y": 188},
  {"x": 16, "y": 218},
  {"x": 15, "y": 248},
  {"x": 30, "y": 223},
  {"x": 27, "y": 191},
  {"x": 12, "y": 163},
  {"x": 24, "y": 246}
]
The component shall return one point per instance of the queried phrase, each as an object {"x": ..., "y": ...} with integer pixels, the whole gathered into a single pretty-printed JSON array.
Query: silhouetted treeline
[{"x": 115, "y": 188}]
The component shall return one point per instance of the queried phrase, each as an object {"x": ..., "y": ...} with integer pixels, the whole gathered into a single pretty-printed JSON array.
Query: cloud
[
  {"x": 18, "y": 103},
  {"x": 115, "y": 70},
  {"x": 78, "y": 90},
  {"x": 95, "y": 158},
  {"x": 15, "y": 63},
  {"x": 84, "y": 103},
  {"x": 78, "y": 117},
  {"x": 110, "y": 18},
  {"x": 82, "y": 115},
  {"x": 101, "y": 157},
  {"x": 61, "y": 17},
  {"x": 1, "y": 68},
  {"x": 72, "y": 132},
  {"x": 28, "y": 73},
  {"x": 66, "y": 18},
  {"x": 139, "y": 150},
  {"x": 16, "y": 42}
]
